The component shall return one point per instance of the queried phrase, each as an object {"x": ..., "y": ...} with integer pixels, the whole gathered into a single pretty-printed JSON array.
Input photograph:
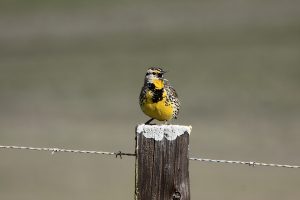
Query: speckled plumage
[
  {"x": 158, "y": 99},
  {"x": 172, "y": 97}
]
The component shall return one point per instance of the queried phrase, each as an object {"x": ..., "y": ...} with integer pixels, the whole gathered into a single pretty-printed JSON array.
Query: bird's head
[{"x": 155, "y": 75}]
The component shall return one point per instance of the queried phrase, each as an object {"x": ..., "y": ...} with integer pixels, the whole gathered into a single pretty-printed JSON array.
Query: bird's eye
[{"x": 154, "y": 73}]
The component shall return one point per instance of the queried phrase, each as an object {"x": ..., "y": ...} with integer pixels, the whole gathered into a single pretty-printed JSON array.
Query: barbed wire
[
  {"x": 120, "y": 154},
  {"x": 57, "y": 150},
  {"x": 249, "y": 163}
]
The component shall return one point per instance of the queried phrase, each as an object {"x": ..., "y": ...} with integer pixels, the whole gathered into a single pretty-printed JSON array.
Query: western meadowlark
[{"x": 158, "y": 99}]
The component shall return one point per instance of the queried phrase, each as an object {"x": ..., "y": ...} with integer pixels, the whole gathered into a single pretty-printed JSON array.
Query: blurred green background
[{"x": 71, "y": 73}]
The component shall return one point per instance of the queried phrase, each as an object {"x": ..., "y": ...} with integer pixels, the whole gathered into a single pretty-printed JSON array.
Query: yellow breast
[{"x": 160, "y": 110}]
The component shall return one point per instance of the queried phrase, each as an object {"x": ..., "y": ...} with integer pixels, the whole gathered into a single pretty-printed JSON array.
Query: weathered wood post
[{"x": 162, "y": 162}]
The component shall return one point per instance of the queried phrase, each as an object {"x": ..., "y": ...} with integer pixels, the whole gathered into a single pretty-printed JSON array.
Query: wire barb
[{"x": 120, "y": 154}]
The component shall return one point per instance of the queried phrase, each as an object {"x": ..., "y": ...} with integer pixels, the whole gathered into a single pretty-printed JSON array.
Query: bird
[{"x": 158, "y": 99}]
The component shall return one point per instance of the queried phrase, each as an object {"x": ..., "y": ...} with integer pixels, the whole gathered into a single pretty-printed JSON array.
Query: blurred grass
[{"x": 71, "y": 72}]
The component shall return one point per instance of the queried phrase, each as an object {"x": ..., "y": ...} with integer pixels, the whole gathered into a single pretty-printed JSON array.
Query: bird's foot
[
  {"x": 167, "y": 123},
  {"x": 148, "y": 122}
]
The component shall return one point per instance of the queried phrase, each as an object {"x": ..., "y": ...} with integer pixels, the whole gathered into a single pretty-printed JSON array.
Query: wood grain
[{"x": 162, "y": 168}]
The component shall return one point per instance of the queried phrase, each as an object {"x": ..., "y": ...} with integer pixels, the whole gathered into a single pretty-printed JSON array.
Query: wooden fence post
[{"x": 162, "y": 162}]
